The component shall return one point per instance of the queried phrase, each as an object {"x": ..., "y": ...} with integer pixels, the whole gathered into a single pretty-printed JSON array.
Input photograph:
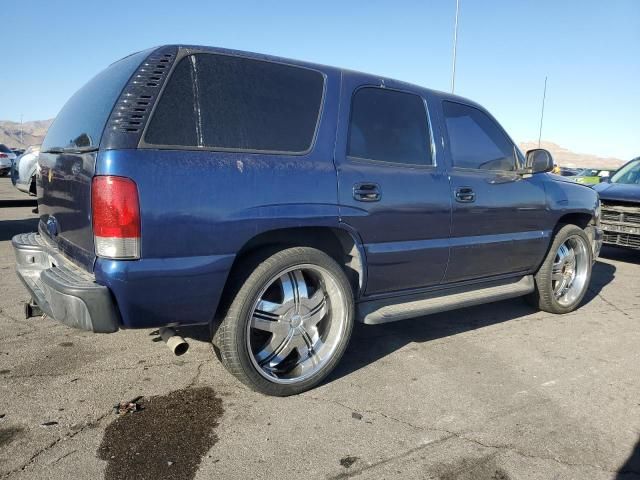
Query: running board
[{"x": 386, "y": 310}]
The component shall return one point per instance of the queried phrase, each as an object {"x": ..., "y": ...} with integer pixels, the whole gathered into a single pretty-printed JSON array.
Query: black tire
[
  {"x": 543, "y": 296},
  {"x": 247, "y": 283}
]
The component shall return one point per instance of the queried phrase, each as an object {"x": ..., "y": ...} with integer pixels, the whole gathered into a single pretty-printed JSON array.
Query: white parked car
[
  {"x": 24, "y": 170},
  {"x": 6, "y": 159}
]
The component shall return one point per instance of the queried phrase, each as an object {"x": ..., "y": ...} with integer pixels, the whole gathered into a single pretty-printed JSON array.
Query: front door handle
[
  {"x": 367, "y": 192},
  {"x": 465, "y": 195}
]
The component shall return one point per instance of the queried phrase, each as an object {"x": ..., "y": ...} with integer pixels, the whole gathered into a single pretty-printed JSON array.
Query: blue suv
[{"x": 279, "y": 202}]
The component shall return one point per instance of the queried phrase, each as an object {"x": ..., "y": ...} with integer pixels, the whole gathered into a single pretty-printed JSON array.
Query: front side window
[
  {"x": 389, "y": 126},
  {"x": 233, "y": 103},
  {"x": 475, "y": 140}
]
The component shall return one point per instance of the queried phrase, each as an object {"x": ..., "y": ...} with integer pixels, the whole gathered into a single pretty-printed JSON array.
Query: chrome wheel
[
  {"x": 570, "y": 270},
  {"x": 296, "y": 324}
]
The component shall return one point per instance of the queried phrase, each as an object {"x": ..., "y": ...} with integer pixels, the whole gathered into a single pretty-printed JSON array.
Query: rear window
[
  {"x": 4, "y": 149},
  {"x": 224, "y": 102},
  {"x": 82, "y": 119}
]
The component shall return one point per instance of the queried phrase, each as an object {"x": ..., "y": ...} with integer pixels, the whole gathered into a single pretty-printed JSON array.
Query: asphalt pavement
[{"x": 498, "y": 391}]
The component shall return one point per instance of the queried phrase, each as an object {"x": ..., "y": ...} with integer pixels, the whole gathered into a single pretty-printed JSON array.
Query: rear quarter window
[
  {"x": 223, "y": 102},
  {"x": 81, "y": 121}
]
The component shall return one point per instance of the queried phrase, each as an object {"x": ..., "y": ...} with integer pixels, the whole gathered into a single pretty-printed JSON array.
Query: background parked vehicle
[
  {"x": 18, "y": 151},
  {"x": 25, "y": 169},
  {"x": 325, "y": 197},
  {"x": 620, "y": 198},
  {"x": 568, "y": 172},
  {"x": 591, "y": 176},
  {"x": 6, "y": 158}
]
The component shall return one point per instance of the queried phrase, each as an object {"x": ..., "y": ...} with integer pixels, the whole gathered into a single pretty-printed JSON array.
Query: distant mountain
[
  {"x": 32, "y": 133},
  {"x": 567, "y": 158}
]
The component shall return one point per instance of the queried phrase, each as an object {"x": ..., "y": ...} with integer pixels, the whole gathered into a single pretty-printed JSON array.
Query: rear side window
[
  {"x": 475, "y": 140},
  {"x": 81, "y": 121},
  {"x": 389, "y": 126},
  {"x": 233, "y": 103}
]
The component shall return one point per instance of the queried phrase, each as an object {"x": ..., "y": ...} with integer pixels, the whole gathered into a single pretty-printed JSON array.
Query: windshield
[{"x": 629, "y": 174}]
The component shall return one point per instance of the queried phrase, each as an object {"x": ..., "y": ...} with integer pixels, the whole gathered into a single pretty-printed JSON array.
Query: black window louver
[{"x": 132, "y": 110}]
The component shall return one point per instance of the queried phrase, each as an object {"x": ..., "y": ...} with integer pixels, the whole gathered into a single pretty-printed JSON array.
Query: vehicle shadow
[
  {"x": 602, "y": 275},
  {"x": 631, "y": 468},
  {"x": 9, "y": 228},
  {"x": 626, "y": 255},
  {"x": 24, "y": 202},
  {"x": 370, "y": 343}
]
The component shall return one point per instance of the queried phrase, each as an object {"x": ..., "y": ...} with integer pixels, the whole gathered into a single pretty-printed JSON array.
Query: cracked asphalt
[{"x": 492, "y": 392}]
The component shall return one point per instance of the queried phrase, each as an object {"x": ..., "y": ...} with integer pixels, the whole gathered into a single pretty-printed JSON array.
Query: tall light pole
[
  {"x": 455, "y": 46},
  {"x": 544, "y": 96}
]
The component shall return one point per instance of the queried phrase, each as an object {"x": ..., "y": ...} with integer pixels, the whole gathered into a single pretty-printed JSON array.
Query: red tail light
[
  {"x": 116, "y": 217},
  {"x": 3, "y": 155}
]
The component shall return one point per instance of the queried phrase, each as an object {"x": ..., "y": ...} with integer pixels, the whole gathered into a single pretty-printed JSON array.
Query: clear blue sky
[{"x": 590, "y": 49}]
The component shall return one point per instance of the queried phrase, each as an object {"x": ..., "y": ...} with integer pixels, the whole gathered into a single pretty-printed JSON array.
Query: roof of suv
[{"x": 321, "y": 67}]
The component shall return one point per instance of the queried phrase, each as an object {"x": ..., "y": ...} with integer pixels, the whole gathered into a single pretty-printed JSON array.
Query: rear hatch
[{"x": 68, "y": 159}]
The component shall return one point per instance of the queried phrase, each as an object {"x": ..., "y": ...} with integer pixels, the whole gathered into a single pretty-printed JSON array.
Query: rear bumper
[{"x": 62, "y": 290}]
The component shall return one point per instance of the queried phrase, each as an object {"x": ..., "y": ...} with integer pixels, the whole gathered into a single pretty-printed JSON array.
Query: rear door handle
[
  {"x": 465, "y": 195},
  {"x": 367, "y": 192}
]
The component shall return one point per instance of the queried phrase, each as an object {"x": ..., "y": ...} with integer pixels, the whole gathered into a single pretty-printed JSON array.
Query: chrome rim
[
  {"x": 570, "y": 270},
  {"x": 296, "y": 324}
]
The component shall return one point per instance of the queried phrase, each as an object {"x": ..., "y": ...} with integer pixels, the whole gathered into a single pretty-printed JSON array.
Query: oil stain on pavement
[{"x": 166, "y": 439}]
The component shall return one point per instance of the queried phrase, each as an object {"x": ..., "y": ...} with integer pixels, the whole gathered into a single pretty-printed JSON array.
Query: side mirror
[{"x": 539, "y": 160}]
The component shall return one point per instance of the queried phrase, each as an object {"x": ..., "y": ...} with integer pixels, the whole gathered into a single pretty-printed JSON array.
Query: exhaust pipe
[{"x": 176, "y": 343}]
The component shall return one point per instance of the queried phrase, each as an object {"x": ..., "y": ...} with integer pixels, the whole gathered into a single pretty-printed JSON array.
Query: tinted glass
[
  {"x": 82, "y": 119},
  {"x": 4, "y": 148},
  {"x": 389, "y": 126},
  {"x": 475, "y": 140},
  {"x": 227, "y": 102}
]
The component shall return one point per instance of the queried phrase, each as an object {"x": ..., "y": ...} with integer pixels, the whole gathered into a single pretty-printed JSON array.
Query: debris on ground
[
  {"x": 356, "y": 415},
  {"x": 49, "y": 424},
  {"x": 128, "y": 407},
  {"x": 347, "y": 461}
]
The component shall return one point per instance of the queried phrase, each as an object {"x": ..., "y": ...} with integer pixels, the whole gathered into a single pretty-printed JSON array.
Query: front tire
[
  {"x": 563, "y": 279},
  {"x": 289, "y": 321}
]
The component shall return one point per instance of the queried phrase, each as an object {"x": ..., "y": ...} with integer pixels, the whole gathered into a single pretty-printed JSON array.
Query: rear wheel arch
[{"x": 340, "y": 244}]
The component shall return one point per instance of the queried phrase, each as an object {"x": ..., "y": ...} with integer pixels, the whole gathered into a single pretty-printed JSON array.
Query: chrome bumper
[{"x": 62, "y": 290}]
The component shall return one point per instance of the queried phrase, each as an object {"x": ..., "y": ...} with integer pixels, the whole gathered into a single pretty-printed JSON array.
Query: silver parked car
[
  {"x": 24, "y": 170},
  {"x": 6, "y": 158}
]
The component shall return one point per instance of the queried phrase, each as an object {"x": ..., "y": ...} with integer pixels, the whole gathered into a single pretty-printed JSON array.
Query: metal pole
[
  {"x": 21, "y": 137},
  {"x": 455, "y": 46},
  {"x": 544, "y": 96}
]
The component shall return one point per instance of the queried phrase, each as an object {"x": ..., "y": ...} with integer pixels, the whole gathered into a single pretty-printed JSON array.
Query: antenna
[
  {"x": 455, "y": 46},
  {"x": 544, "y": 96}
]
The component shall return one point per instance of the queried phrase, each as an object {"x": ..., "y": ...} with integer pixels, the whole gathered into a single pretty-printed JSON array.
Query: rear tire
[
  {"x": 289, "y": 320},
  {"x": 563, "y": 279}
]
